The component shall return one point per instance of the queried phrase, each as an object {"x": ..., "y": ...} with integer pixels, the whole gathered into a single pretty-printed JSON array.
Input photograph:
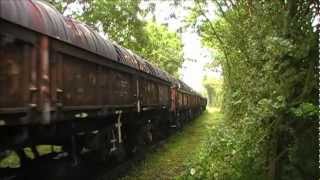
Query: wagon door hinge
[
  {"x": 138, "y": 97},
  {"x": 118, "y": 126},
  {"x": 138, "y": 106}
]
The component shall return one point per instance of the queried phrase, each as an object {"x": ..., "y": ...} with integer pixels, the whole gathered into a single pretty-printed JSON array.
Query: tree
[
  {"x": 62, "y": 5},
  {"x": 119, "y": 20},
  {"x": 268, "y": 53},
  {"x": 164, "y": 48},
  {"x": 122, "y": 21},
  {"x": 213, "y": 87}
]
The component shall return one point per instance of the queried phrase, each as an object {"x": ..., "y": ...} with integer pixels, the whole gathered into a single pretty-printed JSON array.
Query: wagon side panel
[
  {"x": 122, "y": 86},
  {"x": 79, "y": 82},
  {"x": 180, "y": 99},
  {"x": 149, "y": 93},
  {"x": 16, "y": 57},
  {"x": 164, "y": 94}
]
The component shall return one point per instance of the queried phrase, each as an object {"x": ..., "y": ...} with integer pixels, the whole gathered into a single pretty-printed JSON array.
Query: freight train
[{"x": 62, "y": 84}]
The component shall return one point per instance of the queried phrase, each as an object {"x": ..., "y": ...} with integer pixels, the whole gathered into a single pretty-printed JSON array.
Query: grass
[
  {"x": 13, "y": 161},
  {"x": 170, "y": 161}
]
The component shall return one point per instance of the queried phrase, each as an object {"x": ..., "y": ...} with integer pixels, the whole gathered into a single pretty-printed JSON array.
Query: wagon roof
[
  {"x": 185, "y": 87},
  {"x": 42, "y": 17}
]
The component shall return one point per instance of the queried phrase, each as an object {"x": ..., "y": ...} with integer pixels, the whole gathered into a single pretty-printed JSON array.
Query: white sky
[{"x": 192, "y": 72}]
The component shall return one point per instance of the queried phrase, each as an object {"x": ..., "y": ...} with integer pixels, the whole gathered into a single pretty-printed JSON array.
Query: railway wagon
[{"x": 62, "y": 84}]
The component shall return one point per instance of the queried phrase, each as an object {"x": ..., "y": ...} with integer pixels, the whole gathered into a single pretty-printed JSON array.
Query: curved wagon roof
[{"x": 42, "y": 17}]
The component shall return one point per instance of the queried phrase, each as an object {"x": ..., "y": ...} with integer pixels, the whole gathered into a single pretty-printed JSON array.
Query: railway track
[
  {"x": 122, "y": 169},
  {"x": 57, "y": 166}
]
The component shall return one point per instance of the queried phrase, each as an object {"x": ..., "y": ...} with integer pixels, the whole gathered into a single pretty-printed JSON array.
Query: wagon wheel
[
  {"x": 109, "y": 149},
  {"x": 144, "y": 137},
  {"x": 99, "y": 146},
  {"x": 178, "y": 121},
  {"x": 149, "y": 137},
  {"x": 119, "y": 153}
]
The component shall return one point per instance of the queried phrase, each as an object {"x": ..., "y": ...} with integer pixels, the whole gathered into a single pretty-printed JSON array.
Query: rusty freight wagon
[{"x": 61, "y": 83}]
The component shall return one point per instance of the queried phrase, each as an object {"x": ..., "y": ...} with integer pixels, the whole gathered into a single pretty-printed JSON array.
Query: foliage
[
  {"x": 213, "y": 86},
  {"x": 164, "y": 48},
  {"x": 60, "y": 5},
  {"x": 225, "y": 157},
  {"x": 119, "y": 19},
  {"x": 122, "y": 21},
  {"x": 268, "y": 53}
]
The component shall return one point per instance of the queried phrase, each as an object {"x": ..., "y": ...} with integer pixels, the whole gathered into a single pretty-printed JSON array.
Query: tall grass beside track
[{"x": 174, "y": 159}]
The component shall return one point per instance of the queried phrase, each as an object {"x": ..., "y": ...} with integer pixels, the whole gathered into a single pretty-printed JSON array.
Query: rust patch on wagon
[{"x": 10, "y": 72}]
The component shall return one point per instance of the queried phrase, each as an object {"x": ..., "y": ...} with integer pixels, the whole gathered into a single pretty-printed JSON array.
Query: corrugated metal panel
[
  {"x": 125, "y": 57},
  {"x": 42, "y": 17}
]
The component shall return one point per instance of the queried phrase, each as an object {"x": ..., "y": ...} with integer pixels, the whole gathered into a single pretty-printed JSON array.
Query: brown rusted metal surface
[
  {"x": 79, "y": 82},
  {"x": 121, "y": 86},
  {"x": 179, "y": 99},
  {"x": 149, "y": 93},
  {"x": 11, "y": 72},
  {"x": 33, "y": 86},
  {"x": 86, "y": 83},
  {"x": 164, "y": 94},
  {"x": 185, "y": 99},
  {"x": 44, "y": 81},
  {"x": 173, "y": 94}
]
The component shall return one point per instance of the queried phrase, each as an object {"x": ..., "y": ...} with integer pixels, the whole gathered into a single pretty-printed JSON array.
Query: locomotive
[{"x": 62, "y": 84}]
